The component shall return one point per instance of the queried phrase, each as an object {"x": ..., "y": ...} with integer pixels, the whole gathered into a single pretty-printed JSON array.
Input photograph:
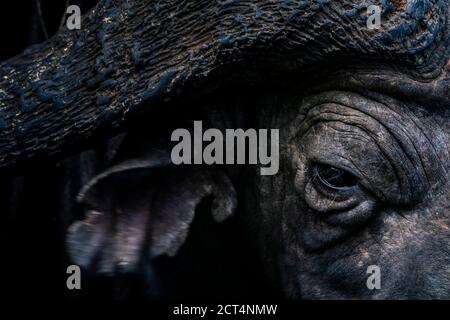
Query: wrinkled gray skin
[
  {"x": 315, "y": 242},
  {"x": 372, "y": 103},
  {"x": 397, "y": 217}
]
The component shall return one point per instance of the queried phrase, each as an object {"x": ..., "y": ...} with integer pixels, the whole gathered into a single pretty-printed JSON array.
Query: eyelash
[{"x": 329, "y": 177}]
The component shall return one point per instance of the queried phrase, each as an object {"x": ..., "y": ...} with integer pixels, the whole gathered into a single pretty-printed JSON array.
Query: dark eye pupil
[{"x": 334, "y": 177}]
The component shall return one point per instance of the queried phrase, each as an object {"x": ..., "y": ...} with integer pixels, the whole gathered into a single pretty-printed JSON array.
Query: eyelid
[{"x": 324, "y": 201}]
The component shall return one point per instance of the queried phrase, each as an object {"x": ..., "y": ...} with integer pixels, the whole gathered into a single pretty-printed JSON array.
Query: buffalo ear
[
  {"x": 143, "y": 208},
  {"x": 174, "y": 207}
]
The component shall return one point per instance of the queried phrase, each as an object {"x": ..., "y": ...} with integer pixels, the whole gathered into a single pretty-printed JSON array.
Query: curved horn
[{"x": 130, "y": 56}]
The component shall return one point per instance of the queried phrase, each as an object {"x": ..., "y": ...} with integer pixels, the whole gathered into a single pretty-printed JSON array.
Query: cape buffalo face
[
  {"x": 363, "y": 176},
  {"x": 363, "y": 182}
]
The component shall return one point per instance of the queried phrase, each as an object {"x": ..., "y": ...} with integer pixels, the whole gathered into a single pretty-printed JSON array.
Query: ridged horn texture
[{"x": 133, "y": 56}]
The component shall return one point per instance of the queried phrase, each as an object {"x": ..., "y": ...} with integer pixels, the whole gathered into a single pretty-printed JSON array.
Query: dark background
[
  {"x": 31, "y": 228},
  {"x": 36, "y": 206}
]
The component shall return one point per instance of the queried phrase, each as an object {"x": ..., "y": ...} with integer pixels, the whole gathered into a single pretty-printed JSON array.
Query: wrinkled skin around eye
[{"x": 320, "y": 240}]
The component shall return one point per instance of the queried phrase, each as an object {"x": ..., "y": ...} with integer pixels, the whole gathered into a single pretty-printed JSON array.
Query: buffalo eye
[{"x": 334, "y": 178}]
